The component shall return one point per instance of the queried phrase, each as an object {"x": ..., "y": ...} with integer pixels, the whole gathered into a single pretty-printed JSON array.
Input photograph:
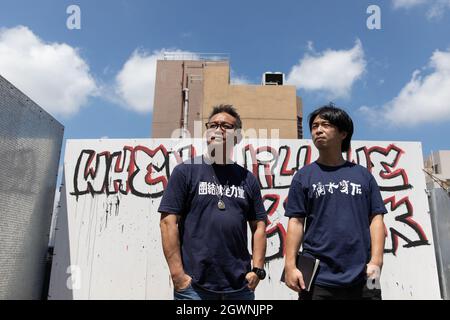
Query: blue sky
[{"x": 394, "y": 82}]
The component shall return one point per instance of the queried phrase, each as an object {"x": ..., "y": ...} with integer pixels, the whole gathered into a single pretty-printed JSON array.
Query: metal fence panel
[
  {"x": 30, "y": 147},
  {"x": 440, "y": 218}
]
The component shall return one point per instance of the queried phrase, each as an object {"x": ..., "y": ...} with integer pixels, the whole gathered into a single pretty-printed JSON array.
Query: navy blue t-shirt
[
  {"x": 213, "y": 242},
  {"x": 337, "y": 203}
]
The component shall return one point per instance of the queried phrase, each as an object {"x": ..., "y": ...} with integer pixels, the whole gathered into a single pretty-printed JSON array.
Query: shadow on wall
[
  {"x": 48, "y": 269},
  {"x": 60, "y": 266}
]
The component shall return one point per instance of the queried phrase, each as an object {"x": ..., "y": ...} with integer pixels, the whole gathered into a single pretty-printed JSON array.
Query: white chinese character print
[
  {"x": 234, "y": 190},
  {"x": 211, "y": 188},
  {"x": 220, "y": 190},
  {"x": 241, "y": 193},
  {"x": 356, "y": 188},
  {"x": 228, "y": 192},
  {"x": 203, "y": 188},
  {"x": 319, "y": 189},
  {"x": 331, "y": 186},
  {"x": 344, "y": 186}
]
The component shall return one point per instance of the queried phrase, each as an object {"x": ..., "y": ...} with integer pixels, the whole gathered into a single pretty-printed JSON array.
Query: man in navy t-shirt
[
  {"x": 204, "y": 214},
  {"x": 344, "y": 210}
]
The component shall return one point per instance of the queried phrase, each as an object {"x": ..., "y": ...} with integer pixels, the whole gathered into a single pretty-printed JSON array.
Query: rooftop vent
[{"x": 273, "y": 78}]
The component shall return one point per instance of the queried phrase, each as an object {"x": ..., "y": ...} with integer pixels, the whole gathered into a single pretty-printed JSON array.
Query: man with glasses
[{"x": 204, "y": 214}]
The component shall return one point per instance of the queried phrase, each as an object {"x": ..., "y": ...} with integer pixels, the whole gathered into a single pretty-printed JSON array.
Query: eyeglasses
[{"x": 223, "y": 125}]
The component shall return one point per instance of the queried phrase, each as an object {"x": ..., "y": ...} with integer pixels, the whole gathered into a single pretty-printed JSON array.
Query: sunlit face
[
  {"x": 220, "y": 127},
  {"x": 326, "y": 135}
]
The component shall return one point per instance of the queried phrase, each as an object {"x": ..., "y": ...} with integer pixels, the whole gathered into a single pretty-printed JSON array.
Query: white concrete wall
[
  {"x": 108, "y": 240},
  {"x": 444, "y": 163},
  {"x": 440, "y": 158}
]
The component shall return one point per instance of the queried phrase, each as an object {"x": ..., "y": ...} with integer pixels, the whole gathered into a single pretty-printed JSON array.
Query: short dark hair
[
  {"x": 227, "y": 108},
  {"x": 336, "y": 117}
]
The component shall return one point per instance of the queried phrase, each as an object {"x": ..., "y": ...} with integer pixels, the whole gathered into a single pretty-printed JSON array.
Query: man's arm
[
  {"x": 258, "y": 229},
  {"x": 171, "y": 246},
  {"x": 377, "y": 238},
  {"x": 293, "y": 277}
]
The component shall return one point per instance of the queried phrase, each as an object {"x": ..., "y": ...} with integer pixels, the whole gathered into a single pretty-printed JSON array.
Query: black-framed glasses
[{"x": 223, "y": 125}]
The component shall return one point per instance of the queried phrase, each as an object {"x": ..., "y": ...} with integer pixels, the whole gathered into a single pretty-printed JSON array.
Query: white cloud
[
  {"x": 135, "y": 82},
  {"x": 238, "y": 78},
  {"x": 186, "y": 35},
  {"x": 425, "y": 98},
  {"x": 333, "y": 71},
  {"x": 407, "y": 3},
  {"x": 436, "y": 8},
  {"x": 310, "y": 46},
  {"x": 51, "y": 74}
]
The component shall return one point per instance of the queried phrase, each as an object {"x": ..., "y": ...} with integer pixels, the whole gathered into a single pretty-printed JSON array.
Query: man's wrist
[
  {"x": 177, "y": 273},
  {"x": 377, "y": 261},
  {"x": 290, "y": 265}
]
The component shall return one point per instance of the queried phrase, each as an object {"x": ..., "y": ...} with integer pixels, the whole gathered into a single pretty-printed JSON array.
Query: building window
[{"x": 299, "y": 128}]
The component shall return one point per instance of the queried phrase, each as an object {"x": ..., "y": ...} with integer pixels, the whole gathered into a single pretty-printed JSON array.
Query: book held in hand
[{"x": 308, "y": 267}]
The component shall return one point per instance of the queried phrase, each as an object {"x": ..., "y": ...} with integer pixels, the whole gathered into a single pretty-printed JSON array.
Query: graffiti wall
[{"x": 108, "y": 239}]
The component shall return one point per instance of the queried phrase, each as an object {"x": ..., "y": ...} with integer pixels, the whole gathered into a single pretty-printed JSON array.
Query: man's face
[
  {"x": 326, "y": 135},
  {"x": 220, "y": 129}
]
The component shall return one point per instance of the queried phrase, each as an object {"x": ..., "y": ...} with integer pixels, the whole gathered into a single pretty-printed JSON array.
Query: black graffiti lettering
[
  {"x": 283, "y": 178},
  {"x": 144, "y": 172},
  {"x": 267, "y": 158},
  {"x": 93, "y": 176},
  {"x": 183, "y": 154},
  {"x": 404, "y": 227},
  {"x": 276, "y": 234},
  {"x": 348, "y": 155},
  {"x": 263, "y": 161},
  {"x": 118, "y": 174},
  {"x": 187, "y": 152},
  {"x": 383, "y": 162},
  {"x": 362, "y": 157},
  {"x": 141, "y": 171},
  {"x": 146, "y": 163},
  {"x": 303, "y": 156}
]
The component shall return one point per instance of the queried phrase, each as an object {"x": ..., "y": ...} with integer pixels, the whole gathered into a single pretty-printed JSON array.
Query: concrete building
[
  {"x": 187, "y": 87},
  {"x": 30, "y": 147},
  {"x": 437, "y": 165}
]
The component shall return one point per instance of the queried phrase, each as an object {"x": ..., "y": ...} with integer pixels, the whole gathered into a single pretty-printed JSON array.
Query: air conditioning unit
[{"x": 273, "y": 78}]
